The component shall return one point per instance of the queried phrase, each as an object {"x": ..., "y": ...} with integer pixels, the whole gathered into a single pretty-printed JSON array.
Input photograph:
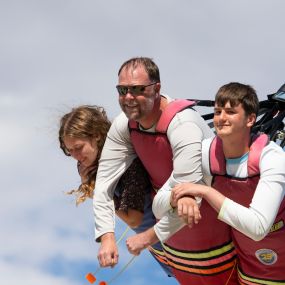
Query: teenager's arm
[{"x": 256, "y": 221}]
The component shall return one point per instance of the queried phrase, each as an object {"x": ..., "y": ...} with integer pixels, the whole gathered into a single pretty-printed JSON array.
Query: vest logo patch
[
  {"x": 266, "y": 256},
  {"x": 277, "y": 226}
]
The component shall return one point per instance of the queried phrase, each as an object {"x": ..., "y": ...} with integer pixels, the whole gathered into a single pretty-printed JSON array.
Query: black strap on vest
[{"x": 269, "y": 119}]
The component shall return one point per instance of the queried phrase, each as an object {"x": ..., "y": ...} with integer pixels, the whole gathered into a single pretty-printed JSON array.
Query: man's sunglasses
[{"x": 133, "y": 89}]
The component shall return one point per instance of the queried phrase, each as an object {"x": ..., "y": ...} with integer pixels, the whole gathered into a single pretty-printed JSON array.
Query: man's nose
[{"x": 129, "y": 95}]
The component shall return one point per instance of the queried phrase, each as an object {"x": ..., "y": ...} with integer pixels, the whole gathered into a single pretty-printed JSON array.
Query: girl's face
[{"x": 84, "y": 150}]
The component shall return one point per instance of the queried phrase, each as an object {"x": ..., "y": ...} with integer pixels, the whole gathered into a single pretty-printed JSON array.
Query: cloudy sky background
[{"x": 58, "y": 54}]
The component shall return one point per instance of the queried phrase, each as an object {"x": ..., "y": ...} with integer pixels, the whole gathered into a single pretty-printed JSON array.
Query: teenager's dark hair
[{"x": 237, "y": 93}]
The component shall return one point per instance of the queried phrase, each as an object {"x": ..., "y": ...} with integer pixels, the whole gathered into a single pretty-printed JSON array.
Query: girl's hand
[{"x": 84, "y": 171}]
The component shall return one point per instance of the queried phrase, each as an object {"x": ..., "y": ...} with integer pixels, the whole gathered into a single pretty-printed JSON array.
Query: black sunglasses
[{"x": 133, "y": 89}]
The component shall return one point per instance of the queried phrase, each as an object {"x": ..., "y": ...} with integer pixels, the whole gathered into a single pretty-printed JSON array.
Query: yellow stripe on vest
[
  {"x": 205, "y": 262},
  {"x": 200, "y": 255},
  {"x": 200, "y": 271},
  {"x": 159, "y": 255},
  {"x": 244, "y": 279}
]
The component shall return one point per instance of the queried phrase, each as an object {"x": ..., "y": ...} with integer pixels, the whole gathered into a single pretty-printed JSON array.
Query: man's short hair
[{"x": 150, "y": 67}]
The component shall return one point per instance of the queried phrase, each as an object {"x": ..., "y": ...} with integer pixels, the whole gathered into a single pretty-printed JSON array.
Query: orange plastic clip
[
  {"x": 91, "y": 278},
  {"x": 103, "y": 283}
]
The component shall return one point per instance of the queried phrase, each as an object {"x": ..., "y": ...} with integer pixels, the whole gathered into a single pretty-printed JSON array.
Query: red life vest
[
  {"x": 261, "y": 262},
  {"x": 203, "y": 255}
]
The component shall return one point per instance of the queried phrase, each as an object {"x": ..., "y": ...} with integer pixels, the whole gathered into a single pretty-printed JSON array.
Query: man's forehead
[
  {"x": 133, "y": 72},
  {"x": 131, "y": 68}
]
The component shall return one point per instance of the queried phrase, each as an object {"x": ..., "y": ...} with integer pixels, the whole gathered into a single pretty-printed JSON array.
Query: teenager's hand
[
  {"x": 187, "y": 189},
  {"x": 108, "y": 251}
]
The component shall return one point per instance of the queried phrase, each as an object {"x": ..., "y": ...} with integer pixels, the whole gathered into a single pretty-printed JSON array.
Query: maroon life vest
[
  {"x": 203, "y": 255},
  {"x": 261, "y": 262}
]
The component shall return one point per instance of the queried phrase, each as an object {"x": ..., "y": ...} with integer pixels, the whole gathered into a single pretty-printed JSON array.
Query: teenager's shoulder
[
  {"x": 272, "y": 157},
  {"x": 273, "y": 148}
]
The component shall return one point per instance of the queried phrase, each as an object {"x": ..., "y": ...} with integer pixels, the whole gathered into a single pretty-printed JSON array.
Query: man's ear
[
  {"x": 251, "y": 120},
  {"x": 157, "y": 88}
]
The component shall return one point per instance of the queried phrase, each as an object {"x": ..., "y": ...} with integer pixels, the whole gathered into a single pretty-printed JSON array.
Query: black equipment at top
[{"x": 270, "y": 116}]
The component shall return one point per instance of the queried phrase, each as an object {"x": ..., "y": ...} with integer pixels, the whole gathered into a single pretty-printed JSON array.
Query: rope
[
  {"x": 233, "y": 269},
  {"x": 117, "y": 242},
  {"x": 123, "y": 235},
  {"x": 122, "y": 270}
]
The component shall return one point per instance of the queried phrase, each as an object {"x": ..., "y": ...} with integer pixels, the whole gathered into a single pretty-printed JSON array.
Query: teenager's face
[
  {"x": 232, "y": 122},
  {"x": 137, "y": 106},
  {"x": 82, "y": 149}
]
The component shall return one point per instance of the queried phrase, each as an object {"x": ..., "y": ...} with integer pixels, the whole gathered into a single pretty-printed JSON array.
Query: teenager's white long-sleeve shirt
[
  {"x": 255, "y": 221},
  {"x": 185, "y": 134}
]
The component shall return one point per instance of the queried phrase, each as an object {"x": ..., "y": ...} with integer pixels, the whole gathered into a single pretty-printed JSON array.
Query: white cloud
[{"x": 12, "y": 274}]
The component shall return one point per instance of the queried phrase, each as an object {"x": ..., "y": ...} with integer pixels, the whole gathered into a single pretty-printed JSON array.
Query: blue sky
[{"x": 57, "y": 54}]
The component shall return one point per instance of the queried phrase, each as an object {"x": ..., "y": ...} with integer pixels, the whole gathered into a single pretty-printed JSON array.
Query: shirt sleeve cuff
[{"x": 221, "y": 214}]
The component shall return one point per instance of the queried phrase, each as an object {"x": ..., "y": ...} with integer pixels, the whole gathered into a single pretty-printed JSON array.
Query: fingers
[
  {"x": 115, "y": 260},
  {"x": 108, "y": 258},
  {"x": 134, "y": 252},
  {"x": 134, "y": 245},
  {"x": 84, "y": 171},
  {"x": 186, "y": 187},
  {"x": 180, "y": 209},
  {"x": 177, "y": 195},
  {"x": 108, "y": 251},
  {"x": 181, "y": 190},
  {"x": 189, "y": 211},
  {"x": 186, "y": 213},
  {"x": 197, "y": 214},
  {"x": 132, "y": 248}
]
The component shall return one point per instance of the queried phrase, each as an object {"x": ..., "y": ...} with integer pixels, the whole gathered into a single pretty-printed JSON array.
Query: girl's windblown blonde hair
[{"x": 85, "y": 121}]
